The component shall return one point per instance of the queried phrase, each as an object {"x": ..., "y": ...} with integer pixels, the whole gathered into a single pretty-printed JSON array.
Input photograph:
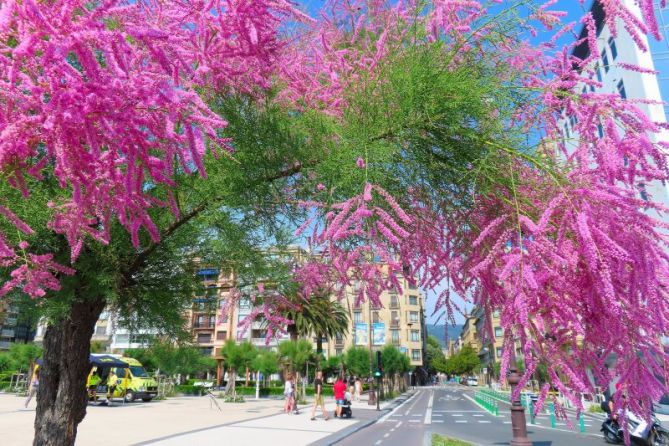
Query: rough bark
[{"x": 62, "y": 398}]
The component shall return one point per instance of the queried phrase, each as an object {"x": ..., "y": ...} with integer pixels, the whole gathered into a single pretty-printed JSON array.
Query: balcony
[
  {"x": 339, "y": 342},
  {"x": 395, "y": 323},
  {"x": 396, "y": 342},
  {"x": 203, "y": 326}
]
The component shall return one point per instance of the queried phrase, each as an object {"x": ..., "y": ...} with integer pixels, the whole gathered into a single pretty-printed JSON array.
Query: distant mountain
[{"x": 438, "y": 332}]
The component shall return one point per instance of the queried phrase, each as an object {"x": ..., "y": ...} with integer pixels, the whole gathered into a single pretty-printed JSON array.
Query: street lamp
[{"x": 518, "y": 422}]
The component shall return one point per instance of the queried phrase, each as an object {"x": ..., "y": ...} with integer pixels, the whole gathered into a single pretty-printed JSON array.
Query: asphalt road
[{"x": 449, "y": 411}]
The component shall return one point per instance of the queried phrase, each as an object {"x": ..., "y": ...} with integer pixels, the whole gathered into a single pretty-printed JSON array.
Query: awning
[{"x": 101, "y": 361}]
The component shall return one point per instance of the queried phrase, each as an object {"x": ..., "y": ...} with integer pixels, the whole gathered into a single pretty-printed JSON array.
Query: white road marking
[
  {"x": 378, "y": 442},
  {"x": 392, "y": 412},
  {"x": 428, "y": 413},
  {"x": 507, "y": 422},
  {"x": 456, "y": 415},
  {"x": 437, "y": 421},
  {"x": 414, "y": 421},
  {"x": 460, "y": 411},
  {"x": 414, "y": 403},
  {"x": 477, "y": 415},
  {"x": 398, "y": 425},
  {"x": 392, "y": 430},
  {"x": 416, "y": 415},
  {"x": 386, "y": 435},
  {"x": 483, "y": 421},
  {"x": 460, "y": 421},
  {"x": 441, "y": 415}
]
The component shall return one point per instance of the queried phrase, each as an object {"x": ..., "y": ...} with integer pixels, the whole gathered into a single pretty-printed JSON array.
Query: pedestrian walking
[
  {"x": 318, "y": 397},
  {"x": 339, "y": 391},
  {"x": 351, "y": 384},
  {"x": 358, "y": 389},
  {"x": 32, "y": 387},
  {"x": 288, "y": 393},
  {"x": 294, "y": 396},
  {"x": 112, "y": 381}
]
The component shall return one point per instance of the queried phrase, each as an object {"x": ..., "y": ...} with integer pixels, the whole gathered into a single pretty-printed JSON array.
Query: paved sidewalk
[
  {"x": 281, "y": 429},
  {"x": 189, "y": 420}
]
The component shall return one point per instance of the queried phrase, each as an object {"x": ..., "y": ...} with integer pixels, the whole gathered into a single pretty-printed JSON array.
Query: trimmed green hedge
[{"x": 186, "y": 389}]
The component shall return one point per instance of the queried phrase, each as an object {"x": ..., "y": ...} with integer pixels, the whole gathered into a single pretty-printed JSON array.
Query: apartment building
[
  {"x": 615, "y": 49},
  {"x": 108, "y": 335},
  {"x": 12, "y": 328},
  {"x": 399, "y": 321}
]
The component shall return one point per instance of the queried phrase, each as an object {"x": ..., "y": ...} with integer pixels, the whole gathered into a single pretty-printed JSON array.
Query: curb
[{"x": 345, "y": 433}]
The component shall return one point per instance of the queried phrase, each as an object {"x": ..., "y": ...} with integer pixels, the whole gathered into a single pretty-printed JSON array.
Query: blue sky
[{"x": 575, "y": 11}]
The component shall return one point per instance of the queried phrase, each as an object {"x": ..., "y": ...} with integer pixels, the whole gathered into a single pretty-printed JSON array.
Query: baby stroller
[{"x": 346, "y": 408}]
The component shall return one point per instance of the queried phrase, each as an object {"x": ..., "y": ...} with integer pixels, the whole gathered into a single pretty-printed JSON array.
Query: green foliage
[
  {"x": 295, "y": 354},
  {"x": 98, "y": 347},
  {"x": 463, "y": 362},
  {"x": 394, "y": 361},
  {"x": 333, "y": 366},
  {"x": 435, "y": 361},
  {"x": 319, "y": 316},
  {"x": 19, "y": 358},
  {"x": 358, "y": 361},
  {"x": 266, "y": 362},
  {"x": 172, "y": 359},
  {"x": 186, "y": 389},
  {"x": 440, "y": 440}
]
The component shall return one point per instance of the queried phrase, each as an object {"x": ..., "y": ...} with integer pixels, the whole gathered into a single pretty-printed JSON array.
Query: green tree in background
[
  {"x": 435, "y": 360},
  {"x": 267, "y": 363},
  {"x": 357, "y": 361}
]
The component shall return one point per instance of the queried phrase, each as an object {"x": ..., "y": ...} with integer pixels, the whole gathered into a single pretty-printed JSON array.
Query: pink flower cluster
[{"x": 102, "y": 97}]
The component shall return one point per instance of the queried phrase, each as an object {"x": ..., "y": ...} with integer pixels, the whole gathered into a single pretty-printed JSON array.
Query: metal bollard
[
  {"x": 581, "y": 423},
  {"x": 551, "y": 408}
]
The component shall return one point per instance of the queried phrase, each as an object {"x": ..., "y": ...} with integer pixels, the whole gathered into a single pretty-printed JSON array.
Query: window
[
  {"x": 412, "y": 286},
  {"x": 357, "y": 317},
  {"x": 394, "y": 301},
  {"x": 642, "y": 192},
  {"x": 206, "y": 351},
  {"x": 221, "y": 335},
  {"x": 394, "y": 317},
  {"x": 415, "y": 336},
  {"x": 614, "y": 50},
  {"x": 204, "y": 338},
  {"x": 413, "y": 316},
  {"x": 498, "y": 352},
  {"x": 208, "y": 274},
  {"x": 100, "y": 330},
  {"x": 598, "y": 73},
  {"x": 212, "y": 321},
  {"x": 621, "y": 89},
  {"x": 495, "y": 313},
  {"x": 395, "y": 336},
  {"x": 339, "y": 339},
  {"x": 413, "y": 300},
  {"x": 200, "y": 321},
  {"x": 339, "y": 351},
  {"x": 605, "y": 61},
  {"x": 600, "y": 130},
  {"x": 375, "y": 317},
  {"x": 499, "y": 332},
  {"x": 415, "y": 355}
]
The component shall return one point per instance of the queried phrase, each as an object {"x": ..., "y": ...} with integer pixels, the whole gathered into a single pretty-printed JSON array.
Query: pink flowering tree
[{"x": 418, "y": 138}]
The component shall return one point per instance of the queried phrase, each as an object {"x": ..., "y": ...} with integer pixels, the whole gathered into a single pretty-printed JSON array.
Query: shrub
[
  {"x": 439, "y": 440},
  {"x": 186, "y": 389}
]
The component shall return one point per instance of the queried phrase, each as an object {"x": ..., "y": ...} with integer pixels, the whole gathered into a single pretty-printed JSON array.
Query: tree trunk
[
  {"x": 319, "y": 344},
  {"x": 62, "y": 395},
  {"x": 292, "y": 331},
  {"x": 230, "y": 386},
  {"x": 246, "y": 384}
]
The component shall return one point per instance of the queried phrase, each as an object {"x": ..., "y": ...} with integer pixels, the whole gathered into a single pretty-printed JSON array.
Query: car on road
[{"x": 472, "y": 381}]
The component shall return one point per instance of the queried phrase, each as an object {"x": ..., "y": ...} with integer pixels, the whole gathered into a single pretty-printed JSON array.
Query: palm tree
[{"x": 318, "y": 316}]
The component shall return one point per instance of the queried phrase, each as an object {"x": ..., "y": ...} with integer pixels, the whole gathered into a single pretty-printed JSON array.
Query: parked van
[
  {"x": 139, "y": 384},
  {"x": 133, "y": 381}
]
